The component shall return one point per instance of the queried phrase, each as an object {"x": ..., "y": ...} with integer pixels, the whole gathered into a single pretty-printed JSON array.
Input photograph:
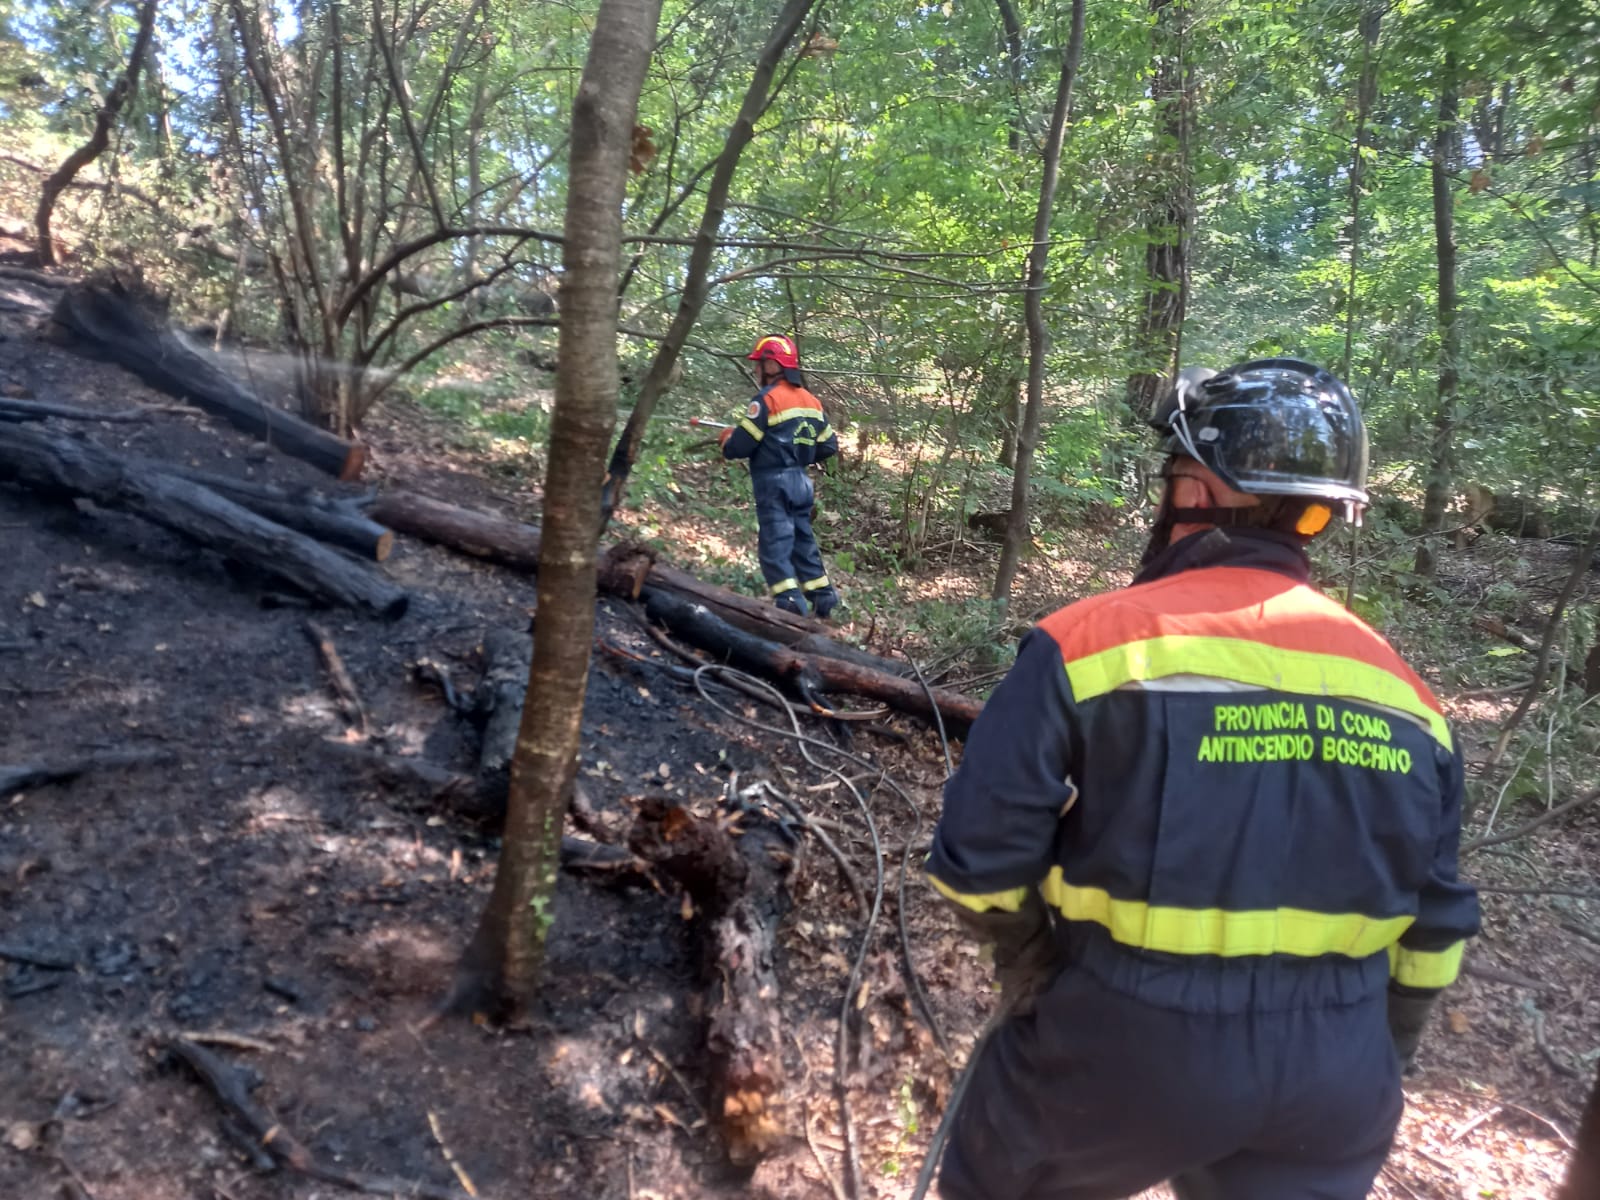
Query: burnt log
[
  {"x": 16, "y": 777},
  {"x": 39, "y": 410},
  {"x": 337, "y": 520},
  {"x": 738, "y": 886},
  {"x": 703, "y": 614},
  {"x": 807, "y": 674},
  {"x": 68, "y": 467},
  {"x": 624, "y": 570},
  {"x": 507, "y": 656},
  {"x": 109, "y": 322}
]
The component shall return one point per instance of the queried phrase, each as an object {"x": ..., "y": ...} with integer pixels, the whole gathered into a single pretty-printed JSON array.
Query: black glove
[
  {"x": 1408, "y": 1017},
  {"x": 1026, "y": 954}
]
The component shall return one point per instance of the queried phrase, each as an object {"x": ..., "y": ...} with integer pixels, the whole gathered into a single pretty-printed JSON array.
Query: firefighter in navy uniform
[
  {"x": 1210, "y": 823},
  {"x": 782, "y": 432}
]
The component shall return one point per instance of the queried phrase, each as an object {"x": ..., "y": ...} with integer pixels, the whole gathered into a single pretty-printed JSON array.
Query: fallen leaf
[
  {"x": 37, "y": 600},
  {"x": 1459, "y": 1022},
  {"x": 22, "y": 1136}
]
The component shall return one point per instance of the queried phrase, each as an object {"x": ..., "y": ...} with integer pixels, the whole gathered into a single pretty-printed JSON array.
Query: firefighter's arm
[
  {"x": 1427, "y": 958},
  {"x": 995, "y": 838},
  {"x": 745, "y": 432},
  {"x": 827, "y": 444}
]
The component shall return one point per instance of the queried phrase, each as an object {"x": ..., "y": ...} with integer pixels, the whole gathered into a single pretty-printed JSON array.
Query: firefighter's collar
[{"x": 1263, "y": 549}]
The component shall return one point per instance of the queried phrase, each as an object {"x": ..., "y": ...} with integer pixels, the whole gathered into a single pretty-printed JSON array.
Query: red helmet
[{"x": 778, "y": 347}]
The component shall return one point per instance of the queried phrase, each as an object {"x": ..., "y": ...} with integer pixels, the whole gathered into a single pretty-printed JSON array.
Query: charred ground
[{"x": 270, "y": 882}]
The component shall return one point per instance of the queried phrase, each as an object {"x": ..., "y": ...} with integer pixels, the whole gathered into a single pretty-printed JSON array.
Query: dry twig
[
  {"x": 343, "y": 685},
  {"x": 283, "y": 1145}
]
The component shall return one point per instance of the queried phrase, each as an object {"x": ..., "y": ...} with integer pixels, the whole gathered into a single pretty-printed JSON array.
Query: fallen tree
[
  {"x": 16, "y": 777},
  {"x": 758, "y": 637},
  {"x": 72, "y": 468},
  {"x": 337, "y": 520},
  {"x": 623, "y": 572},
  {"x": 738, "y": 884},
  {"x": 808, "y": 674},
  {"x": 111, "y": 323}
]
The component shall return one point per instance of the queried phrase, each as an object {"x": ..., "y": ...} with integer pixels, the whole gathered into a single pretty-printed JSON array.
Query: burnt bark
[
  {"x": 808, "y": 676},
  {"x": 1583, "y": 1176},
  {"x": 625, "y": 572},
  {"x": 68, "y": 467},
  {"x": 502, "y": 690},
  {"x": 695, "y": 288},
  {"x": 1441, "y": 450},
  {"x": 1033, "y": 305},
  {"x": 738, "y": 885},
  {"x": 503, "y": 965},
  {"x": 111, "y": 324},
  {"x": 50, "y": 191},
  {"x": 336, "y": 520}
]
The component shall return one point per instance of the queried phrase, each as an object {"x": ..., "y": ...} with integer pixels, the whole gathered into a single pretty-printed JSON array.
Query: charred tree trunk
[
  {"x": 695, "y": 290},
  {"x": 1441, "y": 452},
  {"x": 65, "y": 466},
  {"x": 1156, "y": 344},
  {"x": 500, "y": 697},
  {"x": 809, "y": 676},
  {"x": 1033, "y": 304},
  {"x": 338, "y": 521},
  {"x": 738, "y": 886},
  {"x": 1583, "y": 1177},
  {"x": 125, "y": 86},
  {"x": 504, "y": 962},
  {"x": 110, "y": 323},
  {"x": 625, "y": 573}
]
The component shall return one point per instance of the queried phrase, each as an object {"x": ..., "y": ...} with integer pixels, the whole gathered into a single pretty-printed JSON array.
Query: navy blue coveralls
[
  {"x": 1242, "y": 810},
  {"x": 782, "y": 432}
]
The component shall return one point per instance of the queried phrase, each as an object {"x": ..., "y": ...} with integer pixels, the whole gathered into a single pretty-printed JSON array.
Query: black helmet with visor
[{"x": 1271, "y": 427}]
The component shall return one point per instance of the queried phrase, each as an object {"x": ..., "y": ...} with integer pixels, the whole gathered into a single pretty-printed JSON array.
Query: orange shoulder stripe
[{"x": 1243, "y": 603}]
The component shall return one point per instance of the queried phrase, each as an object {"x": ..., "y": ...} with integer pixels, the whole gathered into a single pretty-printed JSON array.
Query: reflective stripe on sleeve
[
  {"x": 1007, "y": 901},
  {"x": 1425, "y": 968}
]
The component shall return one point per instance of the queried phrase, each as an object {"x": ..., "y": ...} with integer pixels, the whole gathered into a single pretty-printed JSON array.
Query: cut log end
[{"x": 354, "y": 463}]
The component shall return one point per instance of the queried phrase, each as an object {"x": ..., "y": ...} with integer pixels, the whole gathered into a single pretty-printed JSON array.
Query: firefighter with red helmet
[
  {"x": 783, "y": 431},
  {"x": 1210, "y": 823}
]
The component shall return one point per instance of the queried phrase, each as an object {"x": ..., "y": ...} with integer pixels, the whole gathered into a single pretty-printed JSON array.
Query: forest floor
[{"x": 263, "y": 886}]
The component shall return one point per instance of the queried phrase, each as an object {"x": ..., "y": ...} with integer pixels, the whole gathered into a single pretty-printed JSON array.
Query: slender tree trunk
[
  {"x": 693, "y": 299},
  {"x": 1441, "y": 453},
  {"x": 506, "y": 956},
  {"x": 1366, "y": 94},
  {"x": 1157, "y": 340},
  {"x": 1033, "y": 309},
  {"x": 1583, "y": 1177},
  {"x": 124, "y": 87},
  {"x": 1013, "y": 27}
]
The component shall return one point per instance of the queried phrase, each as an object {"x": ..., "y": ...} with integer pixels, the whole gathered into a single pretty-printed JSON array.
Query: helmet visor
[{"x": 1310, "y": 449}]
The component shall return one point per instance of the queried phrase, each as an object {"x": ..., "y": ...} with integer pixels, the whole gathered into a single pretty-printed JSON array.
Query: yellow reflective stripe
[
  {"x": 1302, "y": 671},
  {"x": 1007, "y": 901},
  {"x": 794, "y": 414},
  {"x": 1296, "y": 931},
  {"x": 750, "y": 427},
  {"x": 813, "y": 585},
  {"x": 786, "y": 585},
  {"x": 1425, "y": 968}
]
